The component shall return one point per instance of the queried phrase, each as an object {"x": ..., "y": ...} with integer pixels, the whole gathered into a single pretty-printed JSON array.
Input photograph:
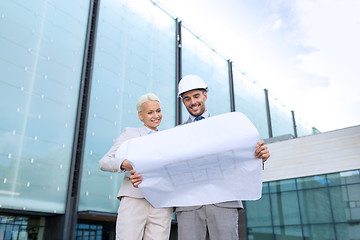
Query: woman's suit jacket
[{"x": 111, "y": 164}]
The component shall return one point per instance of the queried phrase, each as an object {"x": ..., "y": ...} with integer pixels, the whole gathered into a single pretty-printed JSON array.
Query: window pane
[
  {"x": 21, "y": 227},
  {"x": 302, "y": 128},
  {"x": 341, "y": 178},
  {"x": 285, "y": 208},
  {"x": 339, "y": 203},
  {"x": 345, "y": 202},
  {"x": 282, "y": 185},
  {"x": 40, "y": 65},
  {"x": 311, "y": 182},
  {"x": 349, "y": 231},
  {"x": 258, "y": 212},
  {"x": 260, "y": 233},
  {"x": 199, "y": 59},
  {"x": 281, "y": 118},
  {"x": 351, "y": 176},
  {"x": 335, "y": 179},
  {"x": 250, "y": 100},
  {"x": 135, "y": 54},
  {"x": 319, "y": 232},
  {"x": 288, "y": 233},
  {"x": 353, "y": 194},
  {"x": 265, "y": 187},
  {"x": 315, "y": 206}
]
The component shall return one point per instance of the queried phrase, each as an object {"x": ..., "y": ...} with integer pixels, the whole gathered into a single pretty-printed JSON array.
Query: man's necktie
[{"x": 198, "y": 118}]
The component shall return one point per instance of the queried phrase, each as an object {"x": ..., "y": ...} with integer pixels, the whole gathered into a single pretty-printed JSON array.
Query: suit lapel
[
  {"x": 188, "y": 121},
  {"x": 143, "y": 131}
]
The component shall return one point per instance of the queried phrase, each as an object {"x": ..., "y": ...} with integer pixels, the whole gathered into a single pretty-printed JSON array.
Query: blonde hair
[{"x": 144, "y": 98}]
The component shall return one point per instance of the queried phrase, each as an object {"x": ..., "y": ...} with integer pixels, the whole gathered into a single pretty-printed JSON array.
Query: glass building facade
[
  {"x": 71, "y": 73},
  {"x": 41, "y": 56},
  {"x": 322, "y": 207},
  {"x": 134, "y": 54}
]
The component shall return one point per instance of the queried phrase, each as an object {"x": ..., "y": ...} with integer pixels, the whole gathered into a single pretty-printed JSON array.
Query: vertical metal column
[
  {"x": 294, "y": 123},
  {"x": 231, "y": 86},
  {"x": 242, "y": 230},
  {"x": 299, "y": 209},
  {"x": 178, "y": 69},
  {"x": 331, "y": 208},
  {"x": 268, "y": 112},
  {"x": 72, "y": 200},
  {"x": 271, "y": 211}
]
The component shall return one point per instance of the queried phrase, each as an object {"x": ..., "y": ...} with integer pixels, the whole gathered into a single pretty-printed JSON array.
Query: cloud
[
  {"x": 305, "y": 52},
  {"x": 277, "y": 25}
]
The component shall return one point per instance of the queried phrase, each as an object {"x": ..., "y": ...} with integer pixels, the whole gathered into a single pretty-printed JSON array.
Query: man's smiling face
[{"x": 194, "y": 101}]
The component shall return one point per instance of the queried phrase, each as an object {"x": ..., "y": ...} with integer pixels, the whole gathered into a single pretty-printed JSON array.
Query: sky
[{"x": 305, "y": 52}]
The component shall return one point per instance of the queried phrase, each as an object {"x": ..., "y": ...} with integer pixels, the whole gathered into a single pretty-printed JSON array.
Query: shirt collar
[
  {"x": 149, "y": 131},
  {"x": 205, "y": 115}
]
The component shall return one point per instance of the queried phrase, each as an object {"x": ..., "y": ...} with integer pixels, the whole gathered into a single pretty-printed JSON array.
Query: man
[{"x": 212, "y": 221}]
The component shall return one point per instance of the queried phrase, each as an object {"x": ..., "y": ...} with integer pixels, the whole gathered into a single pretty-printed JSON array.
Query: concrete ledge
[{"x": 322, "y": 153}]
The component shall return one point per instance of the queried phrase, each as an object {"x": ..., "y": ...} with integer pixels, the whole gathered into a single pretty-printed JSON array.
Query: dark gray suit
[{"x": 212, "y": 221}]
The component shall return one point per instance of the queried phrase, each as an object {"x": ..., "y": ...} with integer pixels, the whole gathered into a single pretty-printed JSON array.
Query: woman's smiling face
[{"x": 151, "y": 114}]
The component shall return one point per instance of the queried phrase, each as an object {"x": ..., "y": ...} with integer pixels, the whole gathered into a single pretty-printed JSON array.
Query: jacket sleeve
[{"x": 108, "y": 162}]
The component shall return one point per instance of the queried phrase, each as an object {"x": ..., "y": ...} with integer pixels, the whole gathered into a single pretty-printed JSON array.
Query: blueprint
[{"x": 204, "y": 162}]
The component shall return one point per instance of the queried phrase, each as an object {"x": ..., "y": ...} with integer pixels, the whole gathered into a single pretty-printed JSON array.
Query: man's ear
[{"x": 205, "y": 95}]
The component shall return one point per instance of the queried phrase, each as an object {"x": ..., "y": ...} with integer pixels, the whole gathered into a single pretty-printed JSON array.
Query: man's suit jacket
[
  {"x": 231, "y": 204},
  {"x": 111, "y": 164}
]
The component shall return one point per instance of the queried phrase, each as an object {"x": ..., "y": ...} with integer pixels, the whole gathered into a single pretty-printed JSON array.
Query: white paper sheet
[{"x": 205, "y": 162}]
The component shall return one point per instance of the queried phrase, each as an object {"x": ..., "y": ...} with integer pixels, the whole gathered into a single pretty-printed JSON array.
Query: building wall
[
  {"x": 42, "y": 59},
  {"x": 323, "y": 153},
  {"x": 41, "y": 53},
  {"x": 134, "y": 55},
  {"x": 311, "y": 189}
]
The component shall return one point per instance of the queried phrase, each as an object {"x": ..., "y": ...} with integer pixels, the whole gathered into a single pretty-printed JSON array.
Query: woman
[{"x": 137, "y": 218}]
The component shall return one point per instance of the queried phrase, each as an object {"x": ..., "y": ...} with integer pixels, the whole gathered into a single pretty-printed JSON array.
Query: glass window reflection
[
  {"x": 134, "y": 55},
  {"x": 199, "y": 59},
  {"x": 40, "y": 65},
  {"x": 285, "y": 208},
  {"x": 250, "y": 100},
  {"x": 315, "y": 206},
  {"x": 259, "y": 215},
  {"x": 305, "y": 207}
]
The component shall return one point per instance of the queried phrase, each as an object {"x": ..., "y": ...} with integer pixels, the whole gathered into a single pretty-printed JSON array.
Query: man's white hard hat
[{"x": 191, "y": 82}]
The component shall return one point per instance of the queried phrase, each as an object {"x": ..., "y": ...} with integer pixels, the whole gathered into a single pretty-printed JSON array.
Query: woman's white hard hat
[{"x": 191, "y": 82}]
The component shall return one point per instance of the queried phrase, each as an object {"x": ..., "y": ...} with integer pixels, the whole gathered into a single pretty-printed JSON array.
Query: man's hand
[
  {"x": 126, "y": 165},
  {"x": 262, "y": 151},
  {"x": 135, "y": 179}
]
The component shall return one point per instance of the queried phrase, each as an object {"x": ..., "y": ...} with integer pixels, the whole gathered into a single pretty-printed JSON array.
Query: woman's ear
[{"x": 140, "y": 116}]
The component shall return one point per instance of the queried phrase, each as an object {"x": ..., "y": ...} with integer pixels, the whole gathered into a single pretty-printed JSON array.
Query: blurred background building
[{"x": 71, "y": 73}]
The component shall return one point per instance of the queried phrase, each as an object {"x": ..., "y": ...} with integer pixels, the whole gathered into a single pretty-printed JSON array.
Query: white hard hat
[{"x": 191, "y": 82}]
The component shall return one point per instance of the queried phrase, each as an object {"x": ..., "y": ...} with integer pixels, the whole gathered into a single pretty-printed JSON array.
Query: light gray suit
[
  {"x": 137, "y": 219},
  {"x": 214, "y": 221},
  {"x": 111, "y": 164}
]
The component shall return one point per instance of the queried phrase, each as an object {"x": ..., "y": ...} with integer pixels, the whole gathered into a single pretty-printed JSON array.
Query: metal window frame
[
  {"x": 72, "y": 199},
  {"x": 178, "y": 69}
]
